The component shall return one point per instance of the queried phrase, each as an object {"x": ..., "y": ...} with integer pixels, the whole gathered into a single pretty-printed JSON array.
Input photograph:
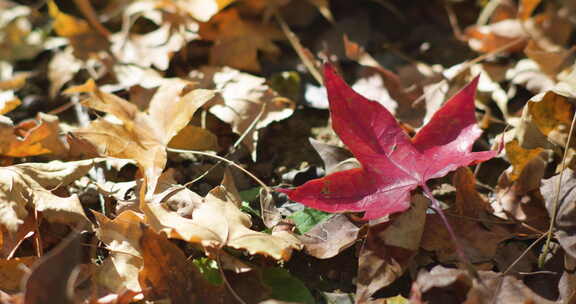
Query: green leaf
[
  {"x": 286, "y": 287},
  {"x": 308, "y": 218}
]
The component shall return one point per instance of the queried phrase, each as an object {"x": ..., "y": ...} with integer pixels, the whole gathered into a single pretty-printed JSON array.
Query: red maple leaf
[{"x": 393, "y": 164}]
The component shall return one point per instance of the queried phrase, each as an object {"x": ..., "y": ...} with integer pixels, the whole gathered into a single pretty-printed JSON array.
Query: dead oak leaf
[
  {"x": 237, "y": 41},
  {"x": 217, "y": 222},
  {"x": 142, "y": 136},
  {"x": 244, "y": 99},
  {"x": 27, "y": 185}
]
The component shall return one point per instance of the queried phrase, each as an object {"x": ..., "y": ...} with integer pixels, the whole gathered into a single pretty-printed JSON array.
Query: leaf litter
[{"x": 180, "y": 151}]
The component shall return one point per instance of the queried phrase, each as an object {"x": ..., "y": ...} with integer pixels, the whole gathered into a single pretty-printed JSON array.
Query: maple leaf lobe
[{"x": 393, "y": 164}]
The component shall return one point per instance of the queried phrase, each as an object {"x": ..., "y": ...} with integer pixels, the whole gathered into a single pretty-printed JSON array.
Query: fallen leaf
[
  {"x": 329, "y": 238},
  {"x": 444, "y": 285},
  {"x": 237, "y": 41},
  {"x": 218, "y": 222},
  {"x": 392, "y": 163},
  {"x": 167, "y": 273},
  {"x": 389, "y": 249},
  {"x": 33, "y": 137},
  {"x": 519, "y": 157},
  {"x": 142, "y": 136},
  {"x": 50, "y": 278},
  {"x": 565, "y": 225},
  {"x": 203, "y": 10},
  {"x": 245, "y": 101},
  {"x": 25, "y": 186},
  {"x": 12, "y": 272},
  {"x": 478, "y": 241},
  {"x": 119, "y": 271}
]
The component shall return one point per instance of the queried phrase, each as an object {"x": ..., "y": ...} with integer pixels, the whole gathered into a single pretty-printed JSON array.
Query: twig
[
  {"x": 222, "y": 159},
  {"x": 295, "y": 42}
]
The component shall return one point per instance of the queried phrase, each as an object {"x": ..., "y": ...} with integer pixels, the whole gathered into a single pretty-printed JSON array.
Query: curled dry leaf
[
  {"x": 218, "y": 222},
  {"x": 27, "y": 186},
  {"x": 244, "y": 100},
  {"x": 142, "y": 136}
]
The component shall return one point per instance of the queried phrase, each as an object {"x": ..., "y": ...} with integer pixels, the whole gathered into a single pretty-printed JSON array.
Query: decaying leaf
[
  {"x": 28, "y": 186},
  {"x": 245, "y": 101},
  {"x": 142, "y": 136}
]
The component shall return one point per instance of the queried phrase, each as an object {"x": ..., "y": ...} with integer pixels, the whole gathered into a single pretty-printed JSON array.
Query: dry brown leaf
[
  {"x": 389, "y": 249},
  {"x": 142, "y": 136},
  {"x": 520, "y": 200},
  {"x": 244, "y": 100},
  {"x": 13, "y": 270},
  {"x": 238, "y": 41},
  {"x": 32, "y": 137},
  {"x": 85, "y": 41},
  {"x": 444, "y": 285},
  {"x": 194, "y": 138},
  {"x": 479, "y": 242},
  {"x": 328, "y": 239},
  {"x": 218, "y": 222},
  {"x": 51, "y": 279},
  {"x": 519, "y": 157},
  {"x": 546, "y": 116},
  {"x": 122, "y": 237},
  {"x": 565, "y": 225},
  {"x": 27, "y": 186},
  {"x": 167, "y": 273}
]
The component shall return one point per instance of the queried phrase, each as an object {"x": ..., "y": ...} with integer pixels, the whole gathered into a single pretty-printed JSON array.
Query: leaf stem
[{"x": 438, "y": 209}]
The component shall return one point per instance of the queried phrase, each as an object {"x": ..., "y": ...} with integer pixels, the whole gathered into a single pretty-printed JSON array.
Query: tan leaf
[
  {"x": 28, "y": 186},
  {"x": 244, "y": 100},
  {"x": 218, "y": 222},
  {"x": 142, "y": 136},
  {"x": 122, "y": 236},
  {"x": 203, "y": 10}
]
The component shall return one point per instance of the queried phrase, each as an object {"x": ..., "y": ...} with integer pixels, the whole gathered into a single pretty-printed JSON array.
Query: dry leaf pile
[{"x": 146, "y": 148}]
